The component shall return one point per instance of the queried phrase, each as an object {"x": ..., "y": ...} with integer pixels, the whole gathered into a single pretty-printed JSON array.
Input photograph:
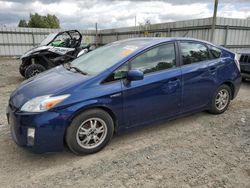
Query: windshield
[
  {"x": 104, "y": 57},
  {"x": 48, "y": 39}
]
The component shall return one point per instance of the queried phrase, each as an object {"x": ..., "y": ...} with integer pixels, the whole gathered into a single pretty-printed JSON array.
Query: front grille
[{"x": 245, "y": 58}]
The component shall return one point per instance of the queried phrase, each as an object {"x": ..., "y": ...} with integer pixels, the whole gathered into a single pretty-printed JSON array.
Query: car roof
[{"x": 155, "y": 40}]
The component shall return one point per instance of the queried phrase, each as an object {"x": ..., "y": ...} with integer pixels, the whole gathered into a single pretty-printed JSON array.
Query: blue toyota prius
[{"x": 121, "y": 85}]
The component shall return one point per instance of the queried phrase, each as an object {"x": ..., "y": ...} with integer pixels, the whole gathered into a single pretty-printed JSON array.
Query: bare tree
[{"x": 145, "y": 26}]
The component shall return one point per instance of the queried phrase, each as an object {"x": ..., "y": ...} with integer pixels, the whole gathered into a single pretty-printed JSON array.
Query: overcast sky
[{"x": 83, "y": 14}]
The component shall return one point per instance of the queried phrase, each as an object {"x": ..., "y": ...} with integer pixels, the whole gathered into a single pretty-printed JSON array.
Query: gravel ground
[{"x": 201, "y": 150}]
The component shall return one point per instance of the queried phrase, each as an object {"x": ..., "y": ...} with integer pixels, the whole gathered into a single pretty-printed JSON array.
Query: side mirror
[{"x": 133, "y": 75}]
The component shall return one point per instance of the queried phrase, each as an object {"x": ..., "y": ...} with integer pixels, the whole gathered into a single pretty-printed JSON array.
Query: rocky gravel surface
[{"x": 201, "y": 150}]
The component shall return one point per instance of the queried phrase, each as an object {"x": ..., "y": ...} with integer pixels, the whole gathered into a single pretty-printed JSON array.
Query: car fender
[{"x": 80, "y": 107}]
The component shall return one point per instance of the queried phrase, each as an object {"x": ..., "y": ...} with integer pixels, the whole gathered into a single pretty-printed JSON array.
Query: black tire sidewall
[
  {"x": 23, "y": 67},
  {"x": 77, "y": 121},
  {"x": 33, "y": 67},
  {"x": 213, "y": 109}
]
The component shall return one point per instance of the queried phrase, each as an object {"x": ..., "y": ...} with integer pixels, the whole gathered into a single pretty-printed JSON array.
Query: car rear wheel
[
  {"x": 33, "y": 70},
  {"x": 221, "y": 99},
  {"x": 89, "y": 132}
]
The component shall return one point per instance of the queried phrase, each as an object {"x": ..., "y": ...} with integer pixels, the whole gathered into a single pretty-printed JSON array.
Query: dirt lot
[{"x": 201, "y": 150}]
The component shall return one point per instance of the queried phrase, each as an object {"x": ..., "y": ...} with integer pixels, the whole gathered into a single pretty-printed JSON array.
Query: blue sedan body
[{"x": 162, "y": 95}]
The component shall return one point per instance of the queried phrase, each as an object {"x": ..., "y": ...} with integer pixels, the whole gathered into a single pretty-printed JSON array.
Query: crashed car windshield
[
  {"x": 48, "y": 39},
  {"x": 104, "y": 57}
]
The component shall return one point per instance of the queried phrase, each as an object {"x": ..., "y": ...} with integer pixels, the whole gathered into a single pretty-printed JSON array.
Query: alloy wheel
[
  {"x": 91, "y": 133},
  {"x": 222, "y": 99}
]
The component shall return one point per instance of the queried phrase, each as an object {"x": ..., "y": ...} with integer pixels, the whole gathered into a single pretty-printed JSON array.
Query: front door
[{"x": 158, "y": 95}]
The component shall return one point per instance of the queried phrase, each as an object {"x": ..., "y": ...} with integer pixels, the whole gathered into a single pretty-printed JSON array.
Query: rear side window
[
  {"x": 215, "y": 52},
  {"x": 193, "y": 52}
]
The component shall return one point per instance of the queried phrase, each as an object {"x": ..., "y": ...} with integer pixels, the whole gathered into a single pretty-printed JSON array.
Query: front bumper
[
  {"x": 245, "y": 68},
  {"x": 49, "y": 130}
]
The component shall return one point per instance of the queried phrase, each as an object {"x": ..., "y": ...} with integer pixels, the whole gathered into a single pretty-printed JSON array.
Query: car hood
[{"x": 52, "y": 82}]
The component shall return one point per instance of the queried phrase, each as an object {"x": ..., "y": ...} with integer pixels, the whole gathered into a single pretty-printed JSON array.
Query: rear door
[{"x": 196, "y": 79}]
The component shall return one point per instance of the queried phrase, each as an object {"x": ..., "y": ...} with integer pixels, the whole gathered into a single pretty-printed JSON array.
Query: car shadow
[{"x": 119, "y": 142}]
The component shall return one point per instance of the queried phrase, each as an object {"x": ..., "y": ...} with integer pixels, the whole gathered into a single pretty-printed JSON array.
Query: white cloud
[
  {"x": 110, "y": 14},
  {"x": 232, "y": 11},
  {"x": 6, "y": 5},
  {"x": 62, "y": 8}
]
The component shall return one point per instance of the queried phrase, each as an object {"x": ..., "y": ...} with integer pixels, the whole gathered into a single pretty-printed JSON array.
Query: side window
[
  {"x": 156, "y": 59},
  {"x": 215, "y": 52},
  {"x": 193, "y": 52},
  {"x": 159, "y": 58},
  {"x": 118, "y": 74}
]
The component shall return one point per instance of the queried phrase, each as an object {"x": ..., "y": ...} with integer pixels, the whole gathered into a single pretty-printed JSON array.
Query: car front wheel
[
  {"x": 89, "y": 132},
  {"x": 23, "y": 67},
  {"x": 33, "y": 70},
  {"x": 221, "y": 99}
]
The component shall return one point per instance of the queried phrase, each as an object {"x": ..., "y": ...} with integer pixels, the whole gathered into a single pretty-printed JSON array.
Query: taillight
[{"x": 236, "y": 60}]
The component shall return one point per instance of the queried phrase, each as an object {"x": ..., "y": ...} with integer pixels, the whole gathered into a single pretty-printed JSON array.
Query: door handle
[
  {"x": 212, "y": 70},
  {"x": 171, "y": 85},
  {"x": 173, "y": 80},
  {"x": 115, "y": 95}
]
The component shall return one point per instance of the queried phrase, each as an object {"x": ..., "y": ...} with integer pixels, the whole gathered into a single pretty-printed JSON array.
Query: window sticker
[{"x": 128, "y": 50}]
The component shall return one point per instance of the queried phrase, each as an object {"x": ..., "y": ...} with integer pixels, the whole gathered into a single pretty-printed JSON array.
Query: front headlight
[{"x": 43, "y": 103}]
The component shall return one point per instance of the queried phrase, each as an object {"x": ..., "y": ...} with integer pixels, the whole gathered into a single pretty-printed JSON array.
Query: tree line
[{"x": 39, "y": 21}]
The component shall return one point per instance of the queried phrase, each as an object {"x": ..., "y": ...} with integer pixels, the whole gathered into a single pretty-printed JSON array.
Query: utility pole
[
  {"x": 214, "y": 20},
  {"x": 135, "y": 25},
  {"x": 96, "y": 34}
]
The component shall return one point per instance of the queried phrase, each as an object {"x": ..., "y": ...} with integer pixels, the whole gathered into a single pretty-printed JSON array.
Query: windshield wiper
[
  {"x": 78, "y": 70},
  {"x": 69, "y": 67}
]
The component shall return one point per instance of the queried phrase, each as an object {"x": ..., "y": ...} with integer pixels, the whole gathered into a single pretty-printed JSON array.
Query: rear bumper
[{"x": 49, "y": 130}]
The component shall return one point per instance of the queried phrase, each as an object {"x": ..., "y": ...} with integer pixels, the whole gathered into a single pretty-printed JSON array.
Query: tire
[
  {"x": 23, "y": 67},
  {"x": 221, "y": 99},
  {"x": 82, "y": 133},
  {"x": 33, "y": 70}
]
